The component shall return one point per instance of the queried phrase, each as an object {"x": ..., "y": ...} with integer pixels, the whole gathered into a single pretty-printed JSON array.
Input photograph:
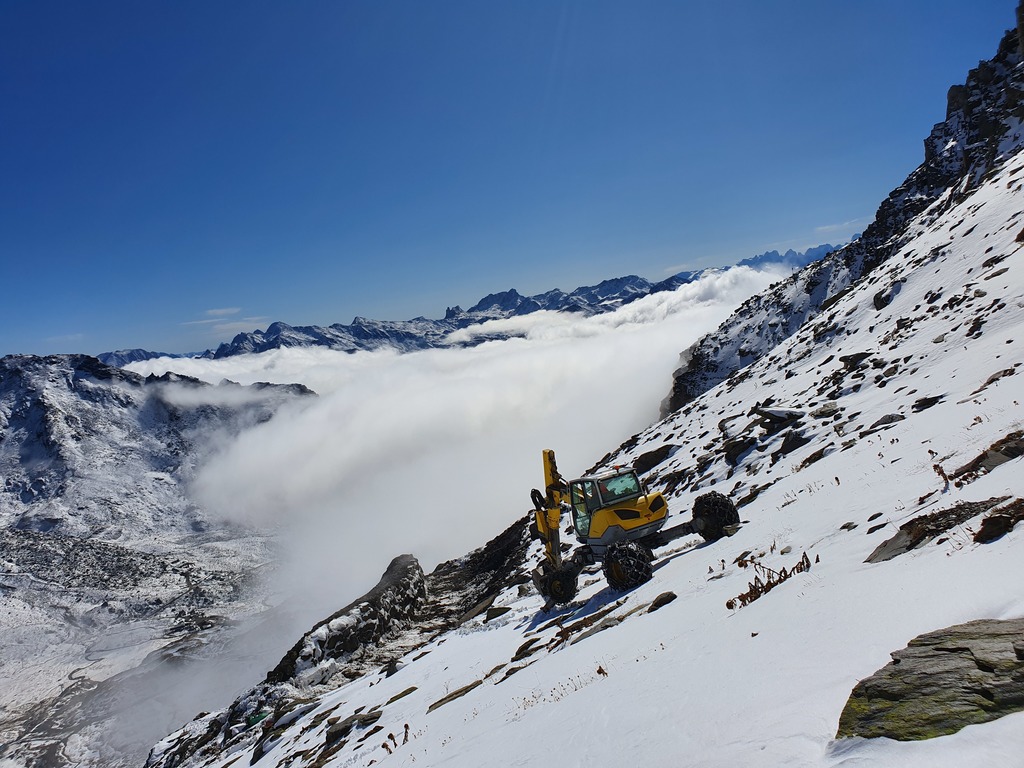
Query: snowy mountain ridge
[
  {"x": 980, "y": 133},
  {"x": 864, "y": 416},
  {"x": 423, "y": 333}
]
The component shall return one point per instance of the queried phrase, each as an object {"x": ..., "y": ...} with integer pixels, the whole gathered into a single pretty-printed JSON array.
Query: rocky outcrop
[
  {"x": 979, "y": 133},
  {"x": 402, "y": 613},
  {"x": 922, "y": 529},
  {"x": 386, "y": 608},
  {"x": 942, "y": 681}
]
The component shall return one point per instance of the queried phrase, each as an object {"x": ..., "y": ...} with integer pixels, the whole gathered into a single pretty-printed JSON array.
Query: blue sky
[{"x": 171, "y": 173}]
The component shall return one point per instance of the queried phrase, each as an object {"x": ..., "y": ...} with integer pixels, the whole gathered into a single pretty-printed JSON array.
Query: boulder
[{"x": 942, "y": 681}]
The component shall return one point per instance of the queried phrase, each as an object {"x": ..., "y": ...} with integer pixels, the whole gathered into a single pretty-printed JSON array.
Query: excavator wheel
[
  {"x": 712, "y": 513},
  {"x": 627, "y": 564},
  {"x": 557, "y": 585}
]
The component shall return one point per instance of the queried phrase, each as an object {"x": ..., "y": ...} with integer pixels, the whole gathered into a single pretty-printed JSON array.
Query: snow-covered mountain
[
  {"x": 866, "y": 418},
  {"x": 107, "y": 565},
  {"x": 123, "y": 357},
  {"x": 423, "y": 333},
  {"x": 864, "y": 415},
  {"x": 983, "y": 118}
]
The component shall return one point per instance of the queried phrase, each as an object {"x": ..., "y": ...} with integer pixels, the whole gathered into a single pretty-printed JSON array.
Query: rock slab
[{"x": 942, "y": 681}]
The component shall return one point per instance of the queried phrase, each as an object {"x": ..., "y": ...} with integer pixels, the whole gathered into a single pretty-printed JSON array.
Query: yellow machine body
[
  {"x": 614, "y": 506},
  {"x": 605, "y": 508}
]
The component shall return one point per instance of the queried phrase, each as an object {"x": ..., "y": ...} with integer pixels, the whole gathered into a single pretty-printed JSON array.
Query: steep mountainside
[
  {"x": 980, "y": 132},
  {"x": 100, "y": 540},
  {"x": 875, "y": 453},
  {"x": 73, "y": 430}
]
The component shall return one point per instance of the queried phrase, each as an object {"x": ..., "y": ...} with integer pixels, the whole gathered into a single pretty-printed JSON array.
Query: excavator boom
[{"x": 555, "y": 578}]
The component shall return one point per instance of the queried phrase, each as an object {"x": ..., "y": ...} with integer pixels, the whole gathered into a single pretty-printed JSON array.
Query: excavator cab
[{"x": 612, "y": 507}]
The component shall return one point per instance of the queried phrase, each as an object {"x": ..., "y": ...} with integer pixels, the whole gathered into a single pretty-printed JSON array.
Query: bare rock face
[
  {"x": 942, "y": 681},
  {"x": 390, "y": 605}
]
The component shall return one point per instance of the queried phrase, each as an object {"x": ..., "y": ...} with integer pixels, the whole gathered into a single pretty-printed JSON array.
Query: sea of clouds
[{"x": 435, "y": 452}]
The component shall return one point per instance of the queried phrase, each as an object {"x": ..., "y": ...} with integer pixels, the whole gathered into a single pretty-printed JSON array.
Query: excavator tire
[
  {"x": 557, "y": 585},
  {"x": 562, "y": 587},
  {"x": 712, "y": 512},
  {"x": 627, "y": 564}
]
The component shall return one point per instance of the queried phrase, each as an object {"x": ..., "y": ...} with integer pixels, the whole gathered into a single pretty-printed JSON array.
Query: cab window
[
  {"x": 584, "y": 502},
  {"x": 620, "y": 487}
]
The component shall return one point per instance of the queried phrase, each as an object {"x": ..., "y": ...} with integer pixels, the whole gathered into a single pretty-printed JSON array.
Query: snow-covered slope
[{"x": 896, "y": 407}]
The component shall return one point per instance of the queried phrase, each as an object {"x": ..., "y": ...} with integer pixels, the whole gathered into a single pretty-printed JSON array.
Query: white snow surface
[{"x": 699, "y": 684}]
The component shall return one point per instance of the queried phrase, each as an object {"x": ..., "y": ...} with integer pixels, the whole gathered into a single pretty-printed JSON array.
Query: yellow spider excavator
[{"x": 617, "y": 521}]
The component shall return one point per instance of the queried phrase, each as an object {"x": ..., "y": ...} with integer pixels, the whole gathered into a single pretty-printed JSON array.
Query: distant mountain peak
[{"x": 422, "y": 333}]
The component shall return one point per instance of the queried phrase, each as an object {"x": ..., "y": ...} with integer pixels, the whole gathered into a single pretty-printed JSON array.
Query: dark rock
[
  {"x": 942, "y": 681},
  {"x": 925, "y": 403},
  {"x": 1006, "y": 449},
  {"x": 884, "y": 421},
  {"x": 852, "y": 362},
  {"x": 493, "y": 613},
  {"x": 734, "y": 449},
  {"x": 1000, "y": 522},
  {"x": 527, "y": 648},
  {"x": 919, "y": 531},
  {"x": 477, "y": 609},
  {"x": 645, "y": 462},
  {"x": 774, "y": 421},
  {"x": 792, "y": 441},
  {"x": 457, "y": 694},
  {"x": 884, "y": 298},
  {"x": 661, "y": 601},
  {"x": 826, "y": 411},
  {"x": 342, "y": 728}
]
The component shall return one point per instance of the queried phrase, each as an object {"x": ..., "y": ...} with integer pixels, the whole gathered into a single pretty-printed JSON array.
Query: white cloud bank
[{"x": 435, "y": 452}]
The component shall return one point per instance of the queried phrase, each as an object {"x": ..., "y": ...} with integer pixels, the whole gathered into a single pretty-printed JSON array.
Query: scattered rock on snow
[
  {"x": 1000, "y": 522},
  {"x": 342, "y": 728},
  {"x": 1000, "y": 452},
  {"x": 456, "y": 694},
  {"x": 922, "y": 529},
  {"x": 661, "y": 601},
  {"x": 645, "y": 462}
]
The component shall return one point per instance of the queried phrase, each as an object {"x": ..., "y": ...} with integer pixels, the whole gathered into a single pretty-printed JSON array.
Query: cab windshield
[{"x": 613, "y": 489}]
